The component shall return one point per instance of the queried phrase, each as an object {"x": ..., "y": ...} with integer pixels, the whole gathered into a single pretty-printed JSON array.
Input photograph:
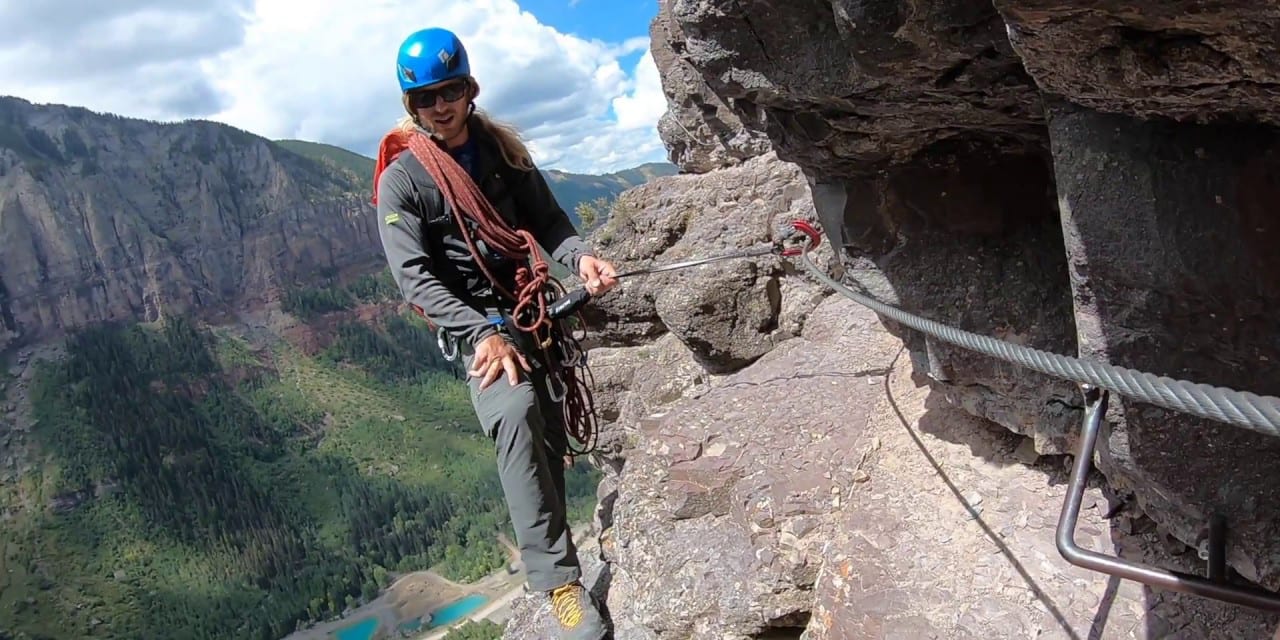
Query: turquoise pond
[
  {"x": 457, "y": 610},
  {"x": 362, "y": 630},
  {"x": 442, "y": 617}
]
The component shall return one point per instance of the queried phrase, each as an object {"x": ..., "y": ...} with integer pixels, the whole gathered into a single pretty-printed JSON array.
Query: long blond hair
[{"x": 510, "y": 144}]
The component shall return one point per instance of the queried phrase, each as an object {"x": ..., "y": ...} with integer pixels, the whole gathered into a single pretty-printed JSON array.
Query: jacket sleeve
[
  {"x": 550, "y": 224},
  {"x": 400, "y": 227}
]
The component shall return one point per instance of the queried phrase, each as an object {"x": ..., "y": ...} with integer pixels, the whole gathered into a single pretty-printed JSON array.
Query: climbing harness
[
  {"x": 574, "y": 301},
  {"x": 1241, "y": 409}
]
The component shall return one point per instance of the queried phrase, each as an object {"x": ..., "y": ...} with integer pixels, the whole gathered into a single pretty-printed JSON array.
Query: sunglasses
[{"x": 426, "y": 98}]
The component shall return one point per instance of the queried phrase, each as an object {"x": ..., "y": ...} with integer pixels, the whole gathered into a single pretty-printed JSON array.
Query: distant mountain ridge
[
  {"x": 107, "y": 218},
  {"x": 570, "y": 189},
  {"x": 104, "y": 217}
]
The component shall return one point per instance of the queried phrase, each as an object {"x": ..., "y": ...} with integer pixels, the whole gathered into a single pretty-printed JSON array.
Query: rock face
[
  {"x": 727, "y": 313},
  {"x": 1180, "y": 60},
  {"x": 845, "y": 87},
  {"x": 734, "y": 517},
  {"x": 826, "y": 492},
  {"x": 701, "y": 131},
  {"x": 1187, "y": 286},
  {"x": 106, "y": 218},
  {"x": 1044, "y": 173},
  {"x": 1096, "y": 180}
]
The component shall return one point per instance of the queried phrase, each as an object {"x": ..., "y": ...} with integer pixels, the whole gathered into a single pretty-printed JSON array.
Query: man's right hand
[{"x": 493, "y": 356}]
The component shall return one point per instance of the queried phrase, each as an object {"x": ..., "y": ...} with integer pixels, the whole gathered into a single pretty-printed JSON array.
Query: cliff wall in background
[
  {"x": 106, "y": 218},
  {"x": 109, "y": 218}
]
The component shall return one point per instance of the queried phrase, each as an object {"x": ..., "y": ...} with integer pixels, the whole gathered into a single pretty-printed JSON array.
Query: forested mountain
[
  {"x": 173, "y": 480},
  {"x": 107, "y": 218},
  {"x": 244, "y": 430}
]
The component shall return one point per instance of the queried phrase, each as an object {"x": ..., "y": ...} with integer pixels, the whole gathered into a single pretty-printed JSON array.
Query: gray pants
[{"x": 527, "y": 429}]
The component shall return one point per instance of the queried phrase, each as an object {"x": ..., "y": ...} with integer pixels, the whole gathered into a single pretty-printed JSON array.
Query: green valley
[
  {"x": 242, "y": 481},
  {"x": 278, "y": 443}
]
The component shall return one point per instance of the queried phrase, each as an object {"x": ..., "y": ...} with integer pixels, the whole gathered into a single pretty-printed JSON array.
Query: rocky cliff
[
  {"x": 107, "y": 218},
  {"x": 1096, "y": 181}
]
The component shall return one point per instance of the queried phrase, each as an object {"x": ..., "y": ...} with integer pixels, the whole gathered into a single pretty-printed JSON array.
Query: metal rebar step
[{"x": 1215, "y": 586}]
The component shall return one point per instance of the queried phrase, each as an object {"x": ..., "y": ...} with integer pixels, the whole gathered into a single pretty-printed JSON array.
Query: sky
[{"x": 574, "y": 75}]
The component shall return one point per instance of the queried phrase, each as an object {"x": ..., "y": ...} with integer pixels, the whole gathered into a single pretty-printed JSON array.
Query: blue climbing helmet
[{"x": 429, "y": 56}]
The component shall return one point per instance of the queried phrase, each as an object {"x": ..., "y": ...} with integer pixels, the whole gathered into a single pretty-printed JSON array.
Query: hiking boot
[{"x": 576, "y": 611}]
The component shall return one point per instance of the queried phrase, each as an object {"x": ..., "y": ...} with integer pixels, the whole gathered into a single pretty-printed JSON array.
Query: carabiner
[
  {"x": 571, "y": 355},
  {"x": 556, "y": 396},
  {"x": 800, "y": 226},
  {"x": 443, "y": 339}
]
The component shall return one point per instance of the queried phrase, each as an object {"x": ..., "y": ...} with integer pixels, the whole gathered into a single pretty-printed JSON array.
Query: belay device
[{"x": 574, "y": 300}]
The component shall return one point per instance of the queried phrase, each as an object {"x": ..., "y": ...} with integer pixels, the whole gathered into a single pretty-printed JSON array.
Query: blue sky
[
  {"x": 610, "y": 20},
  {"x": 574, "y": 75},
  {"x": 607, "y": 20}
]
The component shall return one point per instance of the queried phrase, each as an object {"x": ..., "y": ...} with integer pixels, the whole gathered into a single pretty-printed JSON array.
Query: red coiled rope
[
  {"x": 533, "y": 278},
  {"x": 466, "y": 199}
]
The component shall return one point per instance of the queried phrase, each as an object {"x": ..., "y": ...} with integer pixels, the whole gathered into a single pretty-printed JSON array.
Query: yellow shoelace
[{"x": 564, "y": 601}]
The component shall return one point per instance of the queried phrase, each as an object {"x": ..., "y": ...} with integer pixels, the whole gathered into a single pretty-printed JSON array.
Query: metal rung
[{"x": 1215, "y": 586}]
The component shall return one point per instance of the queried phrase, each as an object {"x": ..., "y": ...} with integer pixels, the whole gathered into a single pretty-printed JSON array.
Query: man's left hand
[{"x": 598, "y": 275}]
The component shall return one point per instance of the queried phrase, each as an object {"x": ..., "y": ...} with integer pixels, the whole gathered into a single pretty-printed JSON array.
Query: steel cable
[{"x": 1238, "y": 408}]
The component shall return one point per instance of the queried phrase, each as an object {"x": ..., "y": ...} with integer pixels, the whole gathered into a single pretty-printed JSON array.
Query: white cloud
[
  {"x": 327, "y": 72},
  {"x": 642, "y": 107},
  {"x": 133, "y": 57}
]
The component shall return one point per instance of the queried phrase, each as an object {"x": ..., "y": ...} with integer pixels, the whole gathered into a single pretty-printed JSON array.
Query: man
[{"x": 434, "y": 261}]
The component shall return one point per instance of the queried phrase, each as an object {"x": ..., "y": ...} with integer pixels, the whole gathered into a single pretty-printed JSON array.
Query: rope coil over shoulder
[{"x": 569, "y": 374}]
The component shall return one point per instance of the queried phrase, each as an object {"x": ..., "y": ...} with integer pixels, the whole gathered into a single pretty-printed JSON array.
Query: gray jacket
[{"x": 428, "y": 256}]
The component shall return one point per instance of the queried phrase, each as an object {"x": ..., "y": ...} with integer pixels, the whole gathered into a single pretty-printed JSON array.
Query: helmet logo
[
  {"x": 408, "y": 73},
  {"x": 446, "y": 58}
]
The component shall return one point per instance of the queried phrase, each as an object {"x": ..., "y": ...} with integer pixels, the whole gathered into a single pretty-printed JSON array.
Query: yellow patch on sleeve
[{"x": 391, "y": 218}]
